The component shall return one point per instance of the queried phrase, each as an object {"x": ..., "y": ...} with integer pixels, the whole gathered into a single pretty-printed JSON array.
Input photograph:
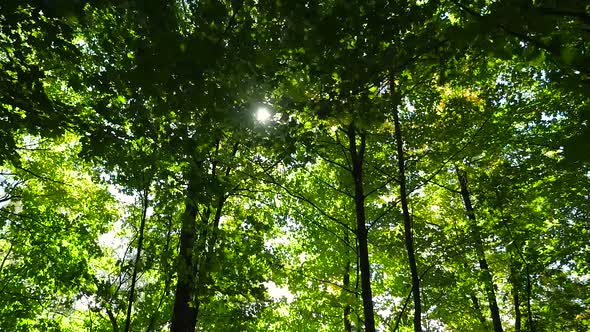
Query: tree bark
[
  {"x": 184, "y": 310},
  {"x": 137, "y": 258},
  {"x": 408, "y": 236},
  {"x": 483, "y": 264},
  {"x": 357, "y": 156}
]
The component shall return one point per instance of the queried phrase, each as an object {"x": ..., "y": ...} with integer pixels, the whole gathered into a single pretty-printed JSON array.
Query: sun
[{"x": 263, "y": 114}]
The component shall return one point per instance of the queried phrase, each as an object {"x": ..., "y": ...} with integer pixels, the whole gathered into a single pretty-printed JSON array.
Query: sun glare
[{"x": 263, "y": 114}]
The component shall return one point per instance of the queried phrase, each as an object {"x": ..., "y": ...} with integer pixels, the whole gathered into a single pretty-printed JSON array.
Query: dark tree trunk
[
  {"x": 184, "y": 311},
  {"x": 357, "y": 155},
  {"x": 483, "y": 264},
  {"x": 408, "y": 236},
  {"x": 137, "y": 258}
]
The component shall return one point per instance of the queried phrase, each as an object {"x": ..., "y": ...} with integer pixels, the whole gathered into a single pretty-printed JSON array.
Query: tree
[
  {"x": 420, "y": 165},
  {"x": 51, "y": 221},
  {"x": 34, "y": 47}
]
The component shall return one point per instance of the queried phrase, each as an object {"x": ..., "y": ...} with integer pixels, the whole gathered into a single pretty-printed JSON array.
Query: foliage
[{"x": 138, "y": 190}]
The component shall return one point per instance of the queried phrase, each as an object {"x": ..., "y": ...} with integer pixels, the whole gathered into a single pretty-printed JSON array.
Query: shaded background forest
[{"x": 294, "y": 165}]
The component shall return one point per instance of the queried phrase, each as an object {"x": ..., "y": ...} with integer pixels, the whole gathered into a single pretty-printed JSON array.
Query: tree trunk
[
  {"x": 483, "y": 264},
  {"x": 137, "y": 258},
  {"x": 184, "y": 311},
  {"x": 408, "y": 236},
  {"x": 357, "y": 155}
]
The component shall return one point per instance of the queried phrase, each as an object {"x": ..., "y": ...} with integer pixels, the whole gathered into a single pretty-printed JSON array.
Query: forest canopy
[{"x": 265, "y": 165}]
